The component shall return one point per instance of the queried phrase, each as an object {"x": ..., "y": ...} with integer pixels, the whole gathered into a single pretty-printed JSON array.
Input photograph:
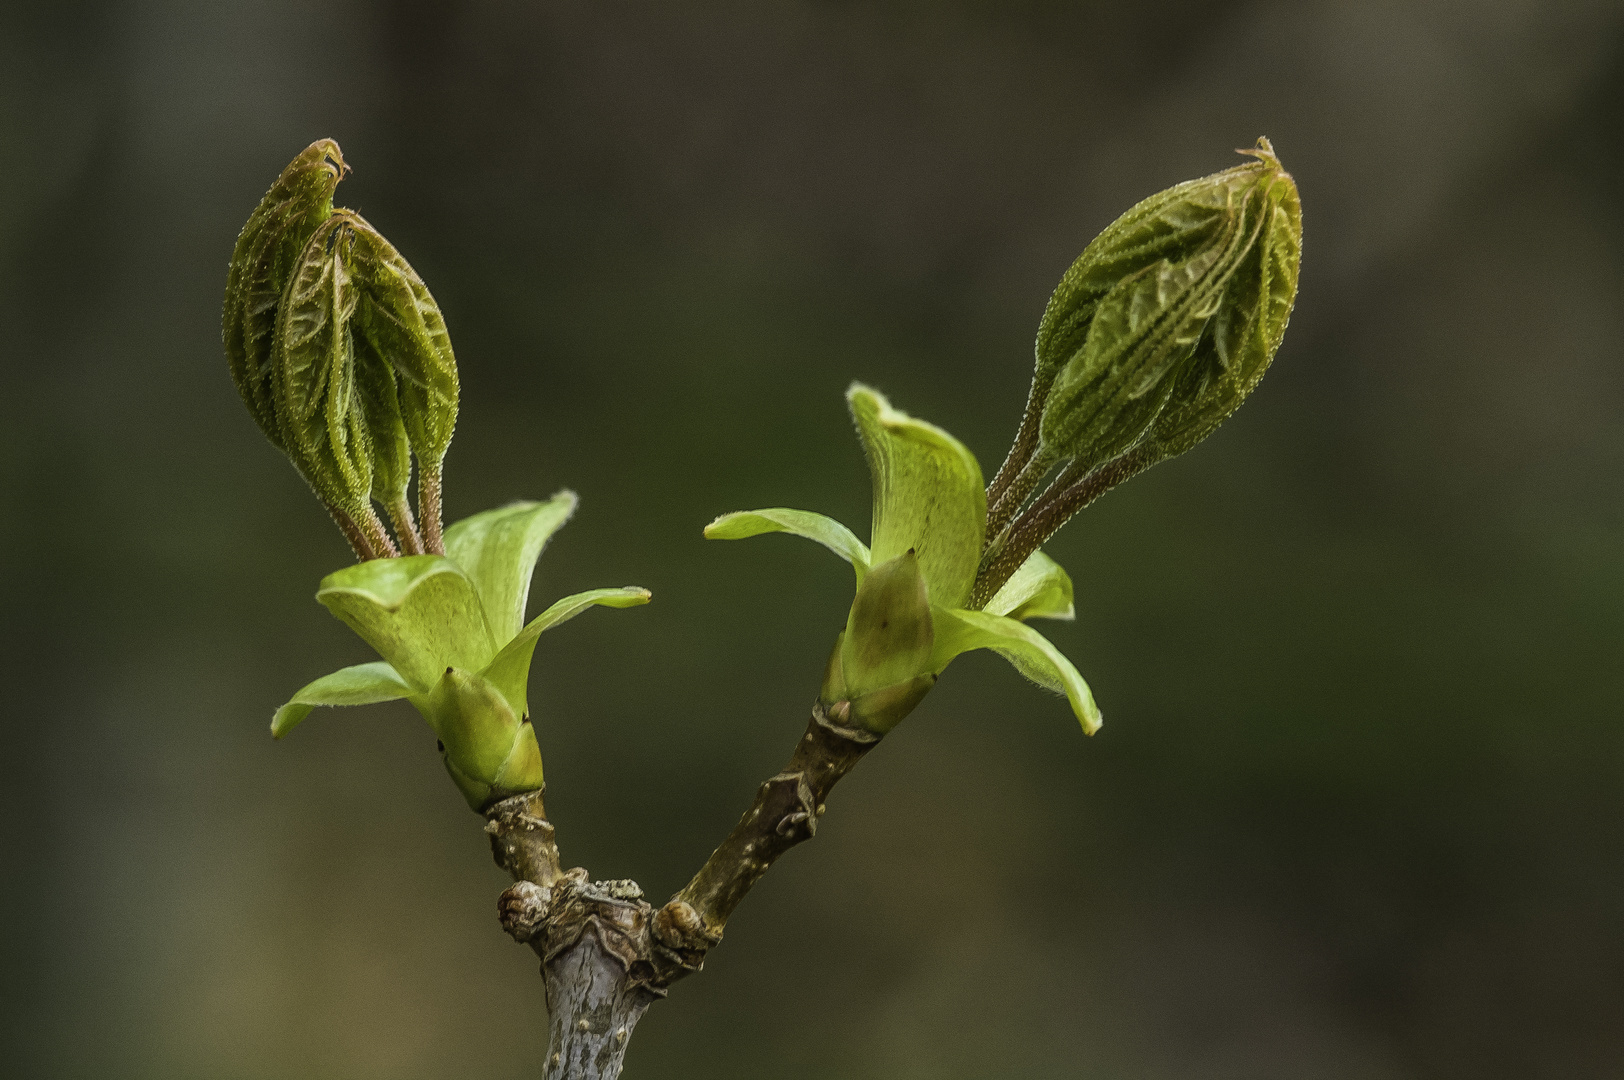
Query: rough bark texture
[
  {"x": 595, "y": 964},
  {"x": 785, "y": 812},
  {"x": 522, "y": 839},
  {"x": 593, "y": 940},
  {"x": 604, "y": 1011},
  {"x": 606, "y": 953}
]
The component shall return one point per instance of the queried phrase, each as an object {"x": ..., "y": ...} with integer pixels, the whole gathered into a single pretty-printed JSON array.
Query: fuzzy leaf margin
[
  {"x": 362, "y": 684},
  {"x": 1032, "y": 654}
]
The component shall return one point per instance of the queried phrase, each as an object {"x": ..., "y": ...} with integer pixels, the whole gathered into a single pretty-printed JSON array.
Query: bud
[
  {"x": 315, "y": 400},
  {"x": 1156, "y": 334},
  {"x": 402, "y": 323},
  {"x": 1152, "y": 289},
  {"x": 267, "y": 251},
  {"x": 1245, "y": 334},
  {"x": 341, "y": 355},
  {"x": 489, "y": 752}
]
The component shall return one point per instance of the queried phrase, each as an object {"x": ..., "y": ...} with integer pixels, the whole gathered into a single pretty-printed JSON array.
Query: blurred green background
[{"x": 1357, "y": 809}]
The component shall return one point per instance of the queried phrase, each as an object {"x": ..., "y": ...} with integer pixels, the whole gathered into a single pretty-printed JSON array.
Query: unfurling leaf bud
[
  {"x": 317, "y": 406},
  {"x": 342, "y": 355},
  {"x": 1246, "y": 332},
  {"x": 1173, "y": 286},
  {"x": 1156, "y": 334},
  {"x": 266, "y": 253},
  {"x": 403, "y": 324}
]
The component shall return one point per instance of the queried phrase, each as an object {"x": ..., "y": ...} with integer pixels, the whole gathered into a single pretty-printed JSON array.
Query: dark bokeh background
[{"x": 1357, "y": 809}]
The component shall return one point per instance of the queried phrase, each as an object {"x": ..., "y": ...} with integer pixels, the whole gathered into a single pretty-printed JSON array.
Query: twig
[{"x": 606, "y": 953}]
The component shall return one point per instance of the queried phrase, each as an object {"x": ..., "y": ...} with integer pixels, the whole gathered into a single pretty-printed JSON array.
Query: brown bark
[
  {"x": 785, "y": 812},
  {"x": 606, "y": 953}
]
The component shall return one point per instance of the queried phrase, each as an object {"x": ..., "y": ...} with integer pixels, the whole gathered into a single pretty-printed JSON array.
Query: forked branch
[{"x": 606, "y": 953}]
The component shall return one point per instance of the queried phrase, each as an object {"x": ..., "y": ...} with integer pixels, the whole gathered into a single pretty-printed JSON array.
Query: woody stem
[{"x": 606, "y": 953}]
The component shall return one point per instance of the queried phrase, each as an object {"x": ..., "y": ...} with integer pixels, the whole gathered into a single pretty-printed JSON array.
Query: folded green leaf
[
  {"x": 1032, "y": 654},
  {"x": 386, "y": 431},
  {"x": 263, "y": 260},
  {"x": 498, "y": 550},
  {"x": 824, "y": 530},
  {"x": 509, "y": 672},
  {"x": 1109, "y": 393},
  {"x": 1248, "y": 328},
  {"x": 363, "y": 684},
  {"x": 929, "y": 496},
  {"x": 403, "y": 323},
  {"x": 888, "y": 632},
  {"x": 477, "y": 728},
  {"x": 1040, "y": 589},
  {"x": 318, "y": 409},
  {"x": 420, "y": 612}
]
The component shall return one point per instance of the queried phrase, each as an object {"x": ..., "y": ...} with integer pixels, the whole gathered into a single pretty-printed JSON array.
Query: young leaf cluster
[
  {"x": 342, "y": 357},
  {"x": 913, "y": 612},
  {"x": 1156, "y": 334},
  {"x": 451, "y": 631}
]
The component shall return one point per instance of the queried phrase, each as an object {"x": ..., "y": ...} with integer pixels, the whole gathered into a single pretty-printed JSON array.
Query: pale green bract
[
  {"x": 929, "y": 497},
  {"x": 451, "y": 633},
  {"x": 1040, "y": 589},
  {"x": 909, "y": 619}
]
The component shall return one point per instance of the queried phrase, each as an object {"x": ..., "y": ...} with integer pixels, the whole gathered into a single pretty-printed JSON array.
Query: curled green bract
[
  {"x": 928, "y": 495},
  {"x": 451, "y": 633},
  {"x": 912, "y": 613}
]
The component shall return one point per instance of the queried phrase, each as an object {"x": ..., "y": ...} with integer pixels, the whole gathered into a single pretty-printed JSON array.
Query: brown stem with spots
[
  {"x": 785, "y": 812},
  {"x": 606, "y": 953}
]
